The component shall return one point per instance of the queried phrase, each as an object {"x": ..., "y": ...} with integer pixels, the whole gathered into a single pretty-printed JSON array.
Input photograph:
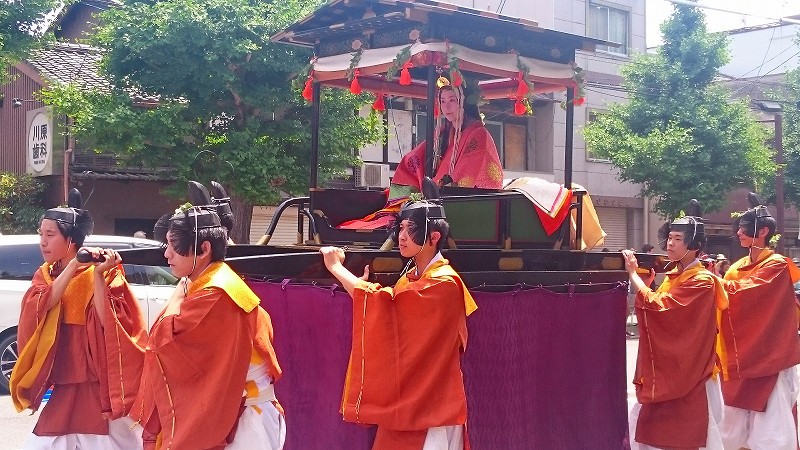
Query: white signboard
[{"x": 39, "y": 144}]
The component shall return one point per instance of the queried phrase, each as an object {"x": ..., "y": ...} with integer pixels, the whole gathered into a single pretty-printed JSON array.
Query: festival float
[{"x": 545, "y": 364}]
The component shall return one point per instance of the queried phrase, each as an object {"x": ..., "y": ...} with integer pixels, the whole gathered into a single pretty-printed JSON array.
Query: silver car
[{"x": 20, "y": 257}]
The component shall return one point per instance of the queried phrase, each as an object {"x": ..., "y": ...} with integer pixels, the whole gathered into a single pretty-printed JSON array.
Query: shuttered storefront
[
  {"x": 614, "y": 222},
  {"x": 285, "y": 233}
]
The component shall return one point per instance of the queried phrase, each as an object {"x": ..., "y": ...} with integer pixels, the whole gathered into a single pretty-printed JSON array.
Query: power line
[
  {"x": 714, "y": 8},
  {"x": 774, "y": 69}
]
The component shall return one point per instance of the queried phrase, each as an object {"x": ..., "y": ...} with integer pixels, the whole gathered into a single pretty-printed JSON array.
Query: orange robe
[
  {"x": 477, "y": 164},
  {"x": 678, "y": 328},
  {"x": 197, "y": 360},
  {"x": 404, "y": 372},
  {"x": 758, "y": 335},
  {"x": 94, "y": 371}
]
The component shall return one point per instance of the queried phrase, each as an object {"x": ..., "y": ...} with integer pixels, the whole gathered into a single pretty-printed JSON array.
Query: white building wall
[{"x": 765, "y": 50}]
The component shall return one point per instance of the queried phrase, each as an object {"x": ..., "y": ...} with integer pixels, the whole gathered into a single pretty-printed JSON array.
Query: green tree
[
  {"x": 791, "y": 133},
  {"x": 21, "y": 203},
  {"x": 20, "y": 29},
  {"x": 680, "y": 135},
  {"x": 219, "y": 96}
]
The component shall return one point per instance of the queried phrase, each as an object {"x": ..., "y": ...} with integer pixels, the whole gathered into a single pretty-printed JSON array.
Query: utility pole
[{"x": 779, "y": 200}]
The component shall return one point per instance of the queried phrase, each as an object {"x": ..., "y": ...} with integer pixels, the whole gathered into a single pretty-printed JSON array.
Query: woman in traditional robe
[
  {"x": 82, "y": 333},
  {"x": 465, "y": 154}
]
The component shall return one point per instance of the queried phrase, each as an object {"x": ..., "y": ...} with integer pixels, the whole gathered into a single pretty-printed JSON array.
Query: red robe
[
  {"x": 678, "y": 328},
  {"x": 94, "y": 371},
  {"x": 477, "y": 164},
  {"x": 405, "y": 365},
  {"x": 758, "y": 335},
  {"x": 197, "y": 360}
]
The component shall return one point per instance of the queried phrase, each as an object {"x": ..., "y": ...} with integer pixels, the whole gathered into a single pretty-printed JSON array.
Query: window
[
  {"x": 592, "y": 116},
  {"x": 609, "y": 24},
  {"x": 495, "y": 129},
  {"x": 19, "y": 262}
]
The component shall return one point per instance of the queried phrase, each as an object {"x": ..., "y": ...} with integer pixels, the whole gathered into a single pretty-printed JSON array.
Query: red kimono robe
[
  {"x": 477, "y": 162},
  {"x": 94, "y": 371},
  {"x": 405, "y": 365},
  {"x": 197, "y": 360},
  {"x": 758, "y": 335},
  {"x": 678, "y": 328}
]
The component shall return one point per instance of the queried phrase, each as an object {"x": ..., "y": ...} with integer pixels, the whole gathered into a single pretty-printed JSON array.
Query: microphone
[{"x": 85, "y": 256}]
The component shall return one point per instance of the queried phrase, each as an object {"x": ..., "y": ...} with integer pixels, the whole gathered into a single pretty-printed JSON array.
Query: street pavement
[{"x": 14, "y": 427}]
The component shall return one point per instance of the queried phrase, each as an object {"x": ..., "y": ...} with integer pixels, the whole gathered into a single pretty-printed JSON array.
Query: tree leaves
[
  {"x": 215, "y": 85},
  {"x": 22, "y": 29},
  {"x": 21, "y": 203},
  {"x": 680, "y": 135}
]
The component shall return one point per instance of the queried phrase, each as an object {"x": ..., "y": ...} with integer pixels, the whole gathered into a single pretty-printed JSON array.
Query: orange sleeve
[
  {"x": 758, "y": 280},
  {"x": 677, "y": 343},
  {"x": 678, "y": 297},
  {"x": 262, "y": 342},
  {"x": 32, "y": 311},
  {"x": 118, "y": 348}
]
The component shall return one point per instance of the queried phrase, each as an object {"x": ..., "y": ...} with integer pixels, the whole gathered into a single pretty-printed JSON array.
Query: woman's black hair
[{"x": 471, "y": 111}]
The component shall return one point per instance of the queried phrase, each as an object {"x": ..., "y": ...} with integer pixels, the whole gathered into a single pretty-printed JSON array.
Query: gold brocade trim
[
  {"x": 77, "y": 296},
  {"x": 495, "y": 172},
  {"x": 466, "y": 182}
]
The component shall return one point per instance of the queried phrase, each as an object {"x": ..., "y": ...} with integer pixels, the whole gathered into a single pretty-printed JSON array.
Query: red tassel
[
  {"x": 378, "y": 104},
  {"x": 435, "y": 110},
  {"x": 579, "y": 101},
  {"x": 308, "y": 89},
  {"x": 456, "y": 76},
  {"x": 355, "y": 88},
  {"x": 522, "y": 86},
  {"x": 519, "y": 107},
  {"x": 405, "y": 75}
]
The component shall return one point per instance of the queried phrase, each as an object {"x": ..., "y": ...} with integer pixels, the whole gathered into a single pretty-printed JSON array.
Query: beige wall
[{"x": 112, "y": 200}]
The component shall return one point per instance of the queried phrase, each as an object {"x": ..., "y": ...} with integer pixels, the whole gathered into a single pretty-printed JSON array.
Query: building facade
[
  {"x": 35, "y": 141},
  {"x": 760, "y": 57}
]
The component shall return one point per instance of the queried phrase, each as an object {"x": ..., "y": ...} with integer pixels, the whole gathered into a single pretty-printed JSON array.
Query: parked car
[{"x": 20, "y": 257}]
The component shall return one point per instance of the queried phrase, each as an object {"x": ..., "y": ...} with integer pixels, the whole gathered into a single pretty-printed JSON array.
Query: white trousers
[
  {"x": 123, "y": 434},
  {"x": 773, "y": 429},
  {"x": 259, "y": 430},
  {"x": 713, "y": 439},
  {"x": 449, "y": 437}
]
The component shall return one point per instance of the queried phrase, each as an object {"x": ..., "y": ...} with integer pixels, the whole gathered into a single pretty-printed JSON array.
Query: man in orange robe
[
  {"x": 210, "y": 363},
  {"x": 676, "y": 394},
  {"x": 80, "y": 331},
  {"x": 405, "y": 365},
  {"x": 759, "y": 346}
]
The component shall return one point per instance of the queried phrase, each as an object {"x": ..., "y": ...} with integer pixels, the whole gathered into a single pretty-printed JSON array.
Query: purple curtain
[{"x": 542, "y": 370}]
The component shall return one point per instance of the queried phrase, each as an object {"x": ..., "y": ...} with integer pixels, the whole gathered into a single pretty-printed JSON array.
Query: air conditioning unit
[{"x": 372, "y": 175}]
